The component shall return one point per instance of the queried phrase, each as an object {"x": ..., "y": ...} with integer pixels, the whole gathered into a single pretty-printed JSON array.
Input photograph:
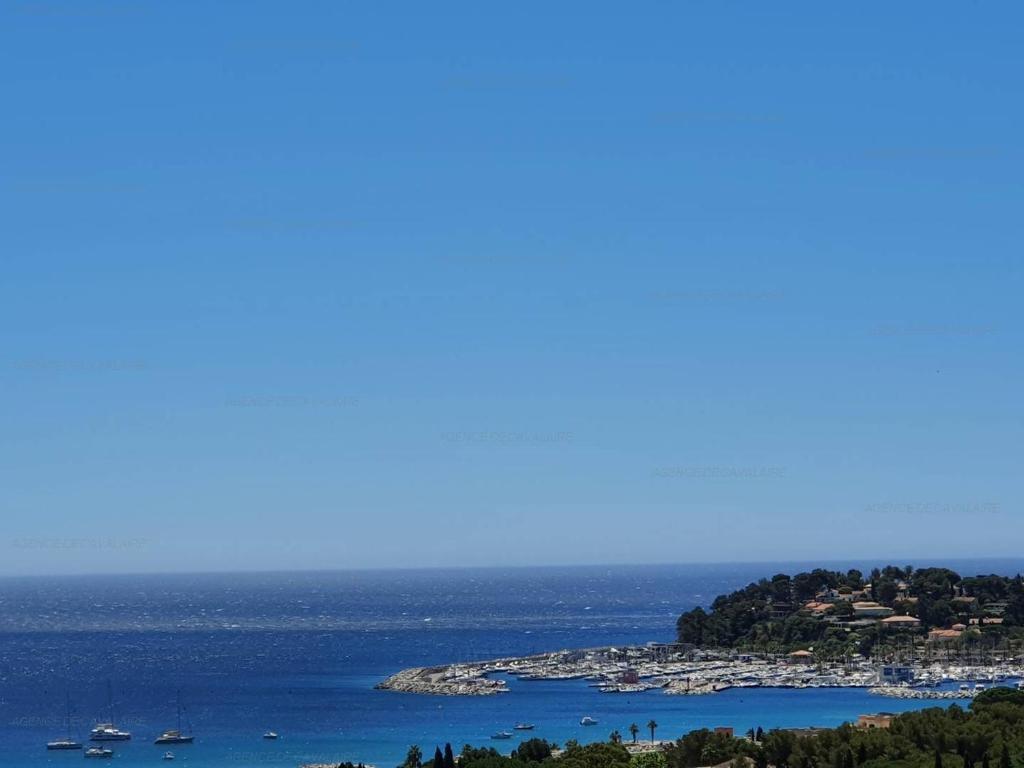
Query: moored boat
[
  {"x": 108, "y": 731},
  {"x": 502, "y": 735},
  {"x": 67, "y": 742},
  {"x": 175, "y": 736},
  {"x": 64, "y": 744},
  {"x": 588, "y": 720},
  {"x": 99, "y": 752},
  {"x": 523, "y": 727}
]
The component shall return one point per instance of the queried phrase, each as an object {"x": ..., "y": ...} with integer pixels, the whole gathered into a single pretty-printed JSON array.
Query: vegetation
[
  {"x": 990, "y": 734},
  {"x": 771, "y": 615}
]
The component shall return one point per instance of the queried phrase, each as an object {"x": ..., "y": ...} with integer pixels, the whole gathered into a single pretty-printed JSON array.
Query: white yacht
[
  {"x": 67, "y": 742},
  {"x": 108, "y": 731},
  {"x": 175, "y": 736}
]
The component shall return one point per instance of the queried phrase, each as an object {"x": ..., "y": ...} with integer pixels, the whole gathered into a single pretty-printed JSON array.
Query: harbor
[{"x": 687, "y": 672}]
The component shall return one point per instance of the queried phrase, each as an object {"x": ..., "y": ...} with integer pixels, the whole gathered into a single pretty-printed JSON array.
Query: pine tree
[
  {"x": 449, "y": 757},
  {"x": 438, "y": 758}
]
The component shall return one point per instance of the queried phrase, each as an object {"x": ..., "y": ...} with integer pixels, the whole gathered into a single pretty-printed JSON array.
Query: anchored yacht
[
  {"x": 67, "y": 742},
  {"x": 175, "y": 736}
]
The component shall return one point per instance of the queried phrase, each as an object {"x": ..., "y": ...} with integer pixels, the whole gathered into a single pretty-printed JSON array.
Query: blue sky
[{"x": 359, "y": 284}]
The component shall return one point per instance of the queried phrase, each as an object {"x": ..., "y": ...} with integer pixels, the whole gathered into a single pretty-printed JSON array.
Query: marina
[
  {"x": 244, "y": 671},
  {"x": 686, "y": 672}
]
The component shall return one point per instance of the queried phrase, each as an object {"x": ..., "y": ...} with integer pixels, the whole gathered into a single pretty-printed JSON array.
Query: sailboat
[
  {"x": 175, "y": 736},
  {"x": 67, "y": 742},
  {"x": 108, "y": 731}
]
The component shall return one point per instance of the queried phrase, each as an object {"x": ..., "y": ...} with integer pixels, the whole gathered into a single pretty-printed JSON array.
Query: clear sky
[{"x": 338, "y": 284}]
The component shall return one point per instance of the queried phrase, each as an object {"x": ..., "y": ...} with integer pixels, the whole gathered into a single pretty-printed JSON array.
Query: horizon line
[{"x": 935, "y": 561}]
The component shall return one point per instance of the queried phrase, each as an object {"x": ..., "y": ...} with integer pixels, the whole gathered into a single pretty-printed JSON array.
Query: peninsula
[{"x": 898, "y": 631}]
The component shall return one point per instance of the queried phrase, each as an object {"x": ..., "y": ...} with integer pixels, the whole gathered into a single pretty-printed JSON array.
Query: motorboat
[{"x": 67, "y": 742}]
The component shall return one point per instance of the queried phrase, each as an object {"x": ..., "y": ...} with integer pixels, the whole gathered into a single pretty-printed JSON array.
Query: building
[
  {"x": 724, "y": 730},
  {"x": 817, "y": 607},
  {"x": 870, "y": 610},
  {"x": 901, "y": 622},
  {"x": 944, "y": 635},
  {"x": 879, "y": 720}
]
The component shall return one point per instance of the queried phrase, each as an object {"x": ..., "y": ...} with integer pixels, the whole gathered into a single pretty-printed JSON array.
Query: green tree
[
  {"x": 534, "y": 750},
  {"x": 634, "y": 729},
  {"x": 652, "y": 726},
  {"x": 648, "y": 760},
  {"x": 413, "y": 758}
]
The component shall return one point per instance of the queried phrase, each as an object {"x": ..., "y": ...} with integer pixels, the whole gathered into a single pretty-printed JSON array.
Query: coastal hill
[{"x": 841, "y": 614}]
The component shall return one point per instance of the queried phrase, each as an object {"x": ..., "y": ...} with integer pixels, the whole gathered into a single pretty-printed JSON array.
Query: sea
[{"x": 300, "y": 653}]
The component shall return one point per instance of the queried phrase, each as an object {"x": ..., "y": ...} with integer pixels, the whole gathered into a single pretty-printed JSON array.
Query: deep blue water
[{"x": 300, "y": 653}]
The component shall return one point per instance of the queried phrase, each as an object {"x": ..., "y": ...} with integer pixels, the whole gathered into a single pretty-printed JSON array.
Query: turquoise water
[{"x": 300, "y": 653}]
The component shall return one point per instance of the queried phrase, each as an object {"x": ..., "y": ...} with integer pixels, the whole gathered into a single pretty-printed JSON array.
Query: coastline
[{"x": 689, "y": 672}]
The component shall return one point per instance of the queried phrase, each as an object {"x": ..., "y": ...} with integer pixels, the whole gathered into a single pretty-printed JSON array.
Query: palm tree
[
  {"x": 634, "y": 729},
  {"x": 615, "y": 737},
  {"x": 651, "y": 725}
]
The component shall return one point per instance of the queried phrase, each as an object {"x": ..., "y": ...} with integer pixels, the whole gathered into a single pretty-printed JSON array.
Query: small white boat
[
  {"x": 502, "y": 735},
  {"x": 270, "y": 735},
  {"x": 523, "y": 727},
  {"x": 99, "y": 752},
  {"x": 588, "y": 720},
  {"x": 168, "y": 755}
]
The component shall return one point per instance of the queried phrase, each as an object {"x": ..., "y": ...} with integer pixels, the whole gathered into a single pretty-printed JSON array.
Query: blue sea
[{"x": 299, "y": 653}]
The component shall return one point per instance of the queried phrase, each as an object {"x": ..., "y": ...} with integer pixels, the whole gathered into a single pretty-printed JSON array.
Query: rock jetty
[{"x": 445, "y": 681}]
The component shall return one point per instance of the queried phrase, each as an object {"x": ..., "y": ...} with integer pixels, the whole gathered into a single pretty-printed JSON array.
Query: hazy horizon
[{"x": 1014, "y": 563}]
